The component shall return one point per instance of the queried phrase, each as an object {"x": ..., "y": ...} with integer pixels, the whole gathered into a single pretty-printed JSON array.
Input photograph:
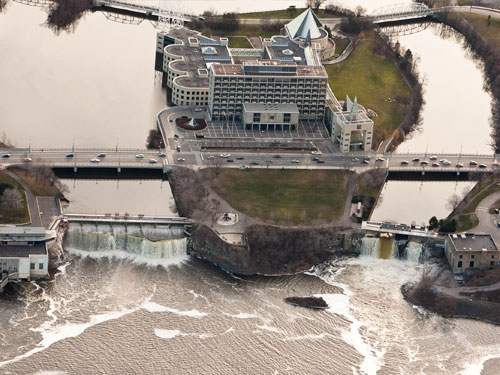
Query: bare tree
[
  {"x": 217, "y": 163},
  {"x": 453, "y": 201},
  {"x": 11, "y": 199}
]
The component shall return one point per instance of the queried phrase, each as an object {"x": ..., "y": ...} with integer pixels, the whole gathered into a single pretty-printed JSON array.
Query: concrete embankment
[{"x": 270, "y": 250}]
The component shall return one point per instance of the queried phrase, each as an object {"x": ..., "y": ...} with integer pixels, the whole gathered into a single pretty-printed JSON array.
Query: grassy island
[
  {"x": 285, "y": 197},
  {"x": 376, "y": 82},
  {"x": 18, "y": 215}
]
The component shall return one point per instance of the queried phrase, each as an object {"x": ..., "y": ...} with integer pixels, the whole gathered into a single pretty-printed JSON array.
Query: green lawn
[
  {"x": 13, "y": 216},
  {"x": 284, "y": 196},
  {"x": 239, "y": 42},
  {"x": 243, "y": 30},
  {"x": 284, "y": 14},
  {"x": 373, "y": 80},
  {"x": 340, "y": 45},
  {"x": 466, "y": 222},
  {"x": 480, "y": 23}
]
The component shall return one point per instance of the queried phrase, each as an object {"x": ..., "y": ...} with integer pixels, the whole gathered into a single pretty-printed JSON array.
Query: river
[{"x": 108, "y": 312}]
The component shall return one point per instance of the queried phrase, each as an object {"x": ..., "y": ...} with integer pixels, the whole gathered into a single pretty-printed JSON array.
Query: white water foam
[
  {"x": 52, "y": 333},
  {"x": 155, "y": 307},
  {"x": 135, "y": 258},
  {"x": 242, "y": 315},
  {"x": 270, "y": 328},
  {"x": 340, "y": 304},
  {"x": 171, "y": 333}
]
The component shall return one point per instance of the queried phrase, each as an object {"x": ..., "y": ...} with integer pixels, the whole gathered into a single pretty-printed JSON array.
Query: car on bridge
[
  {"x": 415, "y": 160},
  {"x": 101, "y": 155},
  {"x": 355, "y": 160},
  {"x": 240, "y": 158},
  {"x": 482, "y": 166},
  {"x": 459, "y": 165},
  {"x": 162, "y": 154},
  {"x": 424, "y": 163},
  {"x": 473, "y": 162},
  {"x": 435, "y": 164},
  {"x": 230, "y": 160},
  {"x": 70, "y": 155},
  {"x": 295, "y": 161},
  {"x": 404, "y": 162},
  {"x": 27, "y": 160},
  {"x": 95, "y": 160},
  {"x": 276, "y": 156},
  {"x": 139, "y": 156},
  {"x": 433, "y": 157},
  {"x": 6, "y": 156},
  {"x": 153, "y": 161},
  {"x": 225, "y": 156},
  {"x": 380, "y": 159}
]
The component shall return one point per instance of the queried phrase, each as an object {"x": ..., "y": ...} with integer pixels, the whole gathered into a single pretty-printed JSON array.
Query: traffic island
[{"x": 191, "y": 123}]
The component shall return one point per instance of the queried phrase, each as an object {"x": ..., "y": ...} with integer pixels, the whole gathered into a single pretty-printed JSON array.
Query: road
[
  {"x": 486, "y": 220},
  {"x": 193, "y": 157}
]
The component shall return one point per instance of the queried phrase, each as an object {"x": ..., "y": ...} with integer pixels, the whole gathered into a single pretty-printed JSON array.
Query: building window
[
  {"x": 460, "y": 256},
  {"x": 40, "y": 266},
  {"x": 460, "y": 264},
  {"x": 492, "y": 263},
  {"x": 32, "y": 266},
  {"x": 472, "y": 256},
  {"x": 471, "y": 264},
  {"x": 492, "y": 257},
  {"x": 256, "y": 117},
  {"x": 286, "y": 117}
]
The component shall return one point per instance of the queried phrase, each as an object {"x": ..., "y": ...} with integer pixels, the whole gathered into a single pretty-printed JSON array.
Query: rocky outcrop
[{"x": 273, "y": 250}]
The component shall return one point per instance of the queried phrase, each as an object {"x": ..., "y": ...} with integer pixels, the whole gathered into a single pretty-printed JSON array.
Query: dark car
[
  {"x": 6, "y": 156},
  {"x": 176, "y": 135},
  {"x": 276, "y": 156},
  {"x": 230, "y": 160},
  {"x": 315, "y": 158},
  {"x": 319, "y": 161},
  {"x": 416, "y": 159},
  {"x": 178, "y": 149},
  {"x": 254, "y": 163},
  {"x": 482, "y": 166},
  {"x": 240, "y": 158},
  {"x": 423, "y": 162},
  {"x": 70, "y": 155}
]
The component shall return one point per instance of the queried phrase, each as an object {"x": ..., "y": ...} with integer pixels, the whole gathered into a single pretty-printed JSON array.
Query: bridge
[
  {"x": 400, "y": 229},
  {"x": 401, "y": 12}
]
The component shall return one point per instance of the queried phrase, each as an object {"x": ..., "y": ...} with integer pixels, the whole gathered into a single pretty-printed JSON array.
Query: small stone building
[{"x": 471, "y": 250}]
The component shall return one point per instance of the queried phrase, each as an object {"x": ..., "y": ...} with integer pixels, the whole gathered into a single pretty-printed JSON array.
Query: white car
[
  {"x": 162, "y": 154},
  {"x": 295, "y": 161},
  {"x": 153, "y": 161},
  {"x": 181, "y": 159},
  {"x": 315, "y": 152},
  {"x": 197, "y": 109},
  {"x": 433, "y": 157},
  {"x": 446, "y": 162},
  {"x": 225, "y": 155},
  {"x": 459, "y": 165},
  {"x": 210, "y": 156},
  {"x": 355, "y": 159},
  {"x": 139, "y": 156},
  {"x": 380, "y": 159},
  {"x": 27, "y": 160},
  {"x": 95, "y": 160}
]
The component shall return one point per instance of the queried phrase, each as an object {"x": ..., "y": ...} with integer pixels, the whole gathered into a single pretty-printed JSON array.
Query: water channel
[{"x": 102, "y": 90}]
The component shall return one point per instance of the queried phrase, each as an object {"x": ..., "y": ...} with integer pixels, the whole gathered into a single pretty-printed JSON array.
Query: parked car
[
  {"x": 70, "y": 155},
  {"x": 473, "y": 162},
  {"x": 178, "y": 149},
  {"x": 404, "y": 162},
  {"x": 176, "y": 135},
  {"x": 95, "y": 160},
  {"x": 139, "y": 156},
  {"x": 197, "y": 109},
  {"x": 181, "y": 159},
  {"x": 153, "y": 161}
]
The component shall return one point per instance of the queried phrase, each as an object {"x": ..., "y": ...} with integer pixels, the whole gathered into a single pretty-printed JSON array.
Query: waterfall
[
  {"x": 127, "y": 242},
  {"x": 387, "y": 248}
]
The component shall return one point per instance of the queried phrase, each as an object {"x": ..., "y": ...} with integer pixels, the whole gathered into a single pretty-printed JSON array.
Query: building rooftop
[
  {"x": 299, "y": 70},
  {"x": 22, "y": 251},
  {"x": 472, "y": 242},
  {"x": 305, "y": 25},
  {"x": 271, "y": 108}
]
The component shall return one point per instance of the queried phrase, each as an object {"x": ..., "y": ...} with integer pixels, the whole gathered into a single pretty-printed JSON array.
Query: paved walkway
[
  {"x": 487, "y": 220},
  {"x": 36, "y": 221}
]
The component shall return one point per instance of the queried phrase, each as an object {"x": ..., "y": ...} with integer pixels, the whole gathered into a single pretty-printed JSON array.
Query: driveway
[{"x": 487, "y": 220}]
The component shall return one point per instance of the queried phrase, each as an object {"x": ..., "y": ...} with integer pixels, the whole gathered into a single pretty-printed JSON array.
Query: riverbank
[{"x": 13, "y": 201}]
